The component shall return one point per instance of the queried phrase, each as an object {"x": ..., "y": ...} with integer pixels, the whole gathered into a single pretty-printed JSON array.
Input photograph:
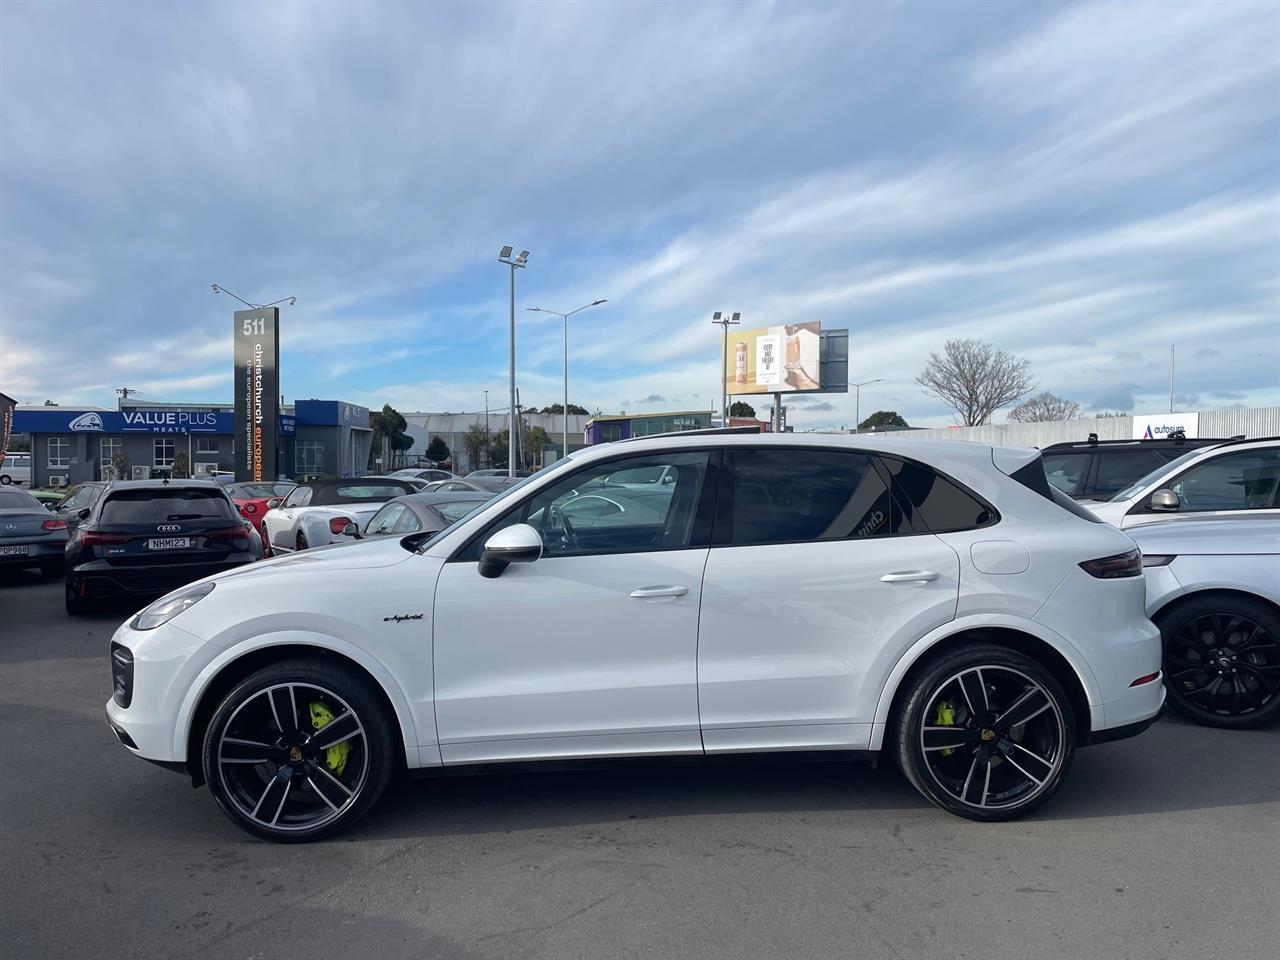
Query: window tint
[
  {"x": 1119, "y": 469},
  {"x": 150, "y": 506},
  {"x": 1063, "y": 470},
  {"x": 571, "y": 522},
  {"x": 1248, "y": 480},
  {"x": 409, "y": 522},
  {"x": 385, "y": 519},
  {"x": 300, "y": 497},
  {"x": 795, "y": 495},
  {"x": 933, "y": 502}
]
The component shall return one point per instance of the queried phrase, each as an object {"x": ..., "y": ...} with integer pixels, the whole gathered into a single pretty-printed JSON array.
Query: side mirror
[
  {"x": 83, "y": 513},
  {"x": 51, "y": 506},
  {"x": 516, "y": 544},
  {"x": 1165, "y": 500},
  {"x": 352, "y": 529},
  {"x": 273, "y": 503}
]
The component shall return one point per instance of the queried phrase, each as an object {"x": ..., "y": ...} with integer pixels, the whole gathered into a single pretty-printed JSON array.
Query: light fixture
[{"x": 506, "y": 252}]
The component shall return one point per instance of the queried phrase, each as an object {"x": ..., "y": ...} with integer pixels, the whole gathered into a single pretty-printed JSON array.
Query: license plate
[
  {"x": 20, "y": 550},
  {"x": 169, "y": 543}
]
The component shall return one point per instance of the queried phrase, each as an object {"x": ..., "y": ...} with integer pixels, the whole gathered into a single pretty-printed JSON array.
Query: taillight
[
  {"x": 248, "y": 508},
  {"x": 232, "y": 533},
  {"x": 54, "y": 525},
  {"x": 338, "y": 524},
  {"x": 1111, "y": 568},
  {"x": 91, "y": 538}
]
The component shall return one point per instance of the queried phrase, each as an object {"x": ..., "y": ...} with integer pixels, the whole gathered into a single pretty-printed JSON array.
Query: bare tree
[
  {"x": 1044, "y": 406},
  {"x": 975, "y": 379}
]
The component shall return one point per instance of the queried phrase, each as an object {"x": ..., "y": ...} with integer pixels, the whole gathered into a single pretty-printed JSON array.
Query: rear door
[
  {"x": 810, "y": 594},
  {"x": 168, "y": 526}
]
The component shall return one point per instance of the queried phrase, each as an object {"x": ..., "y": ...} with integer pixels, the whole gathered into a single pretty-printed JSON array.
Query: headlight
[{"x": 168, "y": 607}]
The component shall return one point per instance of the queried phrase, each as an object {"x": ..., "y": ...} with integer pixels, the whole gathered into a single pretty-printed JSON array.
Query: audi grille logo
[{"x": 169, "y": 528}]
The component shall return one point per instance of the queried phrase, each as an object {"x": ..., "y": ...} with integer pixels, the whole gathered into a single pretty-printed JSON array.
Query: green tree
[
  {"x": 498, "y": 448},
  {"x": 389, "y": 435},
  {"x": 437, "y": 449},
  {"x": 473, "y": 441},
  {"x": 740, "y": 408},
  {"x": 574, "y": 410},
  {"x": 181, "y": 466},
  {"x": 120, "y": 465},
  {"x": 883, "y": 418},
  {"x": 537, "y": 442}
]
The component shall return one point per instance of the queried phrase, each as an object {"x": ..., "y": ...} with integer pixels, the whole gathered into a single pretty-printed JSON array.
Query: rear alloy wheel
[
  {"x": 1222, "y": 661},
  {"x": 298, "y": 751},
  {"x": 986, "y": 733}
]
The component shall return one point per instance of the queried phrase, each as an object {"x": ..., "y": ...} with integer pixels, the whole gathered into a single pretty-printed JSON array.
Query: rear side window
[
  {"x": 931, "y": 501},
  {"x": 1063, "y": 470},
  {"x": 798, "y": 495},
  {"x": 154, "y": 505}
]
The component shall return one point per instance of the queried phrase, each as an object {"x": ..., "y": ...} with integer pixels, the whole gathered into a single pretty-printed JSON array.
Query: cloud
[{"x": 651, "y": 398}]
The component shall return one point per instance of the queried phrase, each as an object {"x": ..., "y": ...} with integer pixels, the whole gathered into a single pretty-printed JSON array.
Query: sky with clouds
[{"x": 1081, "y": 184}]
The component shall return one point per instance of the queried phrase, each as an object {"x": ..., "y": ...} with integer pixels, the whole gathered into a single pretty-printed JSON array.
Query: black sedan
[
  {"x": 421, "y": 513},
  {"x": 29, "y": 535},
  {"x": 148, "y": 537}
]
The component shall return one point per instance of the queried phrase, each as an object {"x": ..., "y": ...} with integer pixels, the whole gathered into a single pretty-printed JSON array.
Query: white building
[{"x": 453, "y": 427}]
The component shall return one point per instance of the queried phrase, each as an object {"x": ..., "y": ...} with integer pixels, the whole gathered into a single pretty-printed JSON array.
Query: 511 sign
[{"x": 257, "y": 389}]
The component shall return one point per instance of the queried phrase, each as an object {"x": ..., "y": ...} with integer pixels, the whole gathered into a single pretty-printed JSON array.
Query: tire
[
  {"x": 1222, "y": 660},
  {"x": 251, "y": 756},
  {"x": 986, "y": 764},
  {"x": 5, "y": 479},
  {"x": 77, "y": 605}
]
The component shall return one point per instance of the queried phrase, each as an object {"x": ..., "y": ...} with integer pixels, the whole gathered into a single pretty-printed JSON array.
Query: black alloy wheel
[
  {"x": 986, "y": 733},
  {"x": 1222, "y": 661},
  {"x": 298, "y": 750}
]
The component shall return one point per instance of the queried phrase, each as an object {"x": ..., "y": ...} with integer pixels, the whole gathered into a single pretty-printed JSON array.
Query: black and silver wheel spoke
[
  {"x": 330, "y": 789},
  {"x": 948, "y": 738},
  {"x": 235, "y": 750},
  {"x": 284, "y": 709},
  {"x": 271, "y": 802},
  {"x": 338, "y": 730},
  {"x": 975, "y": 694},
  {"x": 1028, "y": 706}
]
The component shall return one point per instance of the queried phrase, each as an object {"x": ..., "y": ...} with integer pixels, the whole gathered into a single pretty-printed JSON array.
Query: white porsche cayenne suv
[{"x": 935, "y": 601}]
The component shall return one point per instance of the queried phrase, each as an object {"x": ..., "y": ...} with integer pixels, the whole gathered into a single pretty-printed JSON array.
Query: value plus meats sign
[{"x": 257, "y": 384}]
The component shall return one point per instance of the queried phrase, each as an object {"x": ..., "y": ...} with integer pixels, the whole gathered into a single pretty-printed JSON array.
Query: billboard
[
  {"x": 783, "y": 359},
  {"x": 1161, "y": 425},
  {"x": 257, "y": 387}
]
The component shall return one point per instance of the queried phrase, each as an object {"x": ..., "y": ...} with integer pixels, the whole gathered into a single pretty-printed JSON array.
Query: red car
[{"x": 251, "y": 500}]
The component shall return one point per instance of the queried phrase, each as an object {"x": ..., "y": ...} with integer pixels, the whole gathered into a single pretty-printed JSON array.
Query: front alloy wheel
[
  {"x": 987, "y": 733},
  {"x": 297, "y": 751}
]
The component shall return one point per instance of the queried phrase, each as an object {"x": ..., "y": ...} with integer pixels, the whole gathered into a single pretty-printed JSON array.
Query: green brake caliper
[
  {"x": 946, "y": 718},
  {"x": 336, "y": 756}
]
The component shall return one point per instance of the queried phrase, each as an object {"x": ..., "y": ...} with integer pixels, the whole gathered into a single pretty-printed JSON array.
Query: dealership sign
[
  {"x": 257, "y": 389},
  {"x": 57, "y": 420},
  {"x": 1162, "y": 425},
  {"x": 6, "y": 423}
]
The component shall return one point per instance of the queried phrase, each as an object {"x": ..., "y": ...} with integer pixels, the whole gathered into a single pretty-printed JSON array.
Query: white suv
[
  {"x": 1236, "y": 478},
  {"x": 934, "y": 600}
]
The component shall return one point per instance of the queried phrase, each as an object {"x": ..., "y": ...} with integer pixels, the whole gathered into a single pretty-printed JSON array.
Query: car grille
[{"x": 121, "y": 675}]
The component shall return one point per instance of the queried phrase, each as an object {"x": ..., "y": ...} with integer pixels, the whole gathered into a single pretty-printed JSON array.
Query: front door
[{"x": 591, "y": 650}]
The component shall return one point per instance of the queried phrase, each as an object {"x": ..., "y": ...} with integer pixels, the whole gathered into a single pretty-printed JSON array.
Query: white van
[{"x": 16, "y": 468}]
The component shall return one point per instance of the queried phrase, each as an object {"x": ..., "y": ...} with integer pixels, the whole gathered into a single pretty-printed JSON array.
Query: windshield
[{"x": 1159, "y": 473}]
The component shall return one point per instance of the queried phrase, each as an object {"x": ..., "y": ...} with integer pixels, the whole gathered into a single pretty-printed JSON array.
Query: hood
[
  {"x": 1205, "y": 536},
  {"x": 352, "y": 555}
]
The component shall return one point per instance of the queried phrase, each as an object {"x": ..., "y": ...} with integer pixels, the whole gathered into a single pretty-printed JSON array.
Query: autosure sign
[
  {"x": 1161, "y": 425},
  {"x": 781, "y": 359},
  {"x": 257, "y": 386}
]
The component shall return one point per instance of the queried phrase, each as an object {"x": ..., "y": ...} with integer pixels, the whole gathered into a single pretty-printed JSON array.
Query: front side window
[
  {"x": 162, "y": 452},
  {"x": 408, "y": 523},
  {"x": 385, "y": 519},
  {"x": 798, "y": 495},
  {"x": 1247, "y": 480},
  {"x": 59, "y": 450},
  {"x": 1063, "y": 470},
  {"x": 298, "y": 497}
]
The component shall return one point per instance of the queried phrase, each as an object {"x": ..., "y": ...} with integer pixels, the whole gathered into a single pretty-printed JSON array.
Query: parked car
[
  {"x": 49, "y": 499},
  {"x": 1232, "y": 478},
  {"x": 29, "y": 537},
  {"x": 1213, "y": 588},
  {"x": 428, "y": 474},
  {"x": 489, "y": 485},
  {"x": 145, "y": 537},
  {"x": 253, "y": 500},
  {"x": 1099, "y": 469},
  {"x": 934, "y": 601},
  {"x": 421, "y": 513},
  {"x": 497, "y": 472},
  {"x": 78, "y": 499},
  {"x": 16, "y": 469},
  {"x": 317, "y": 513}
]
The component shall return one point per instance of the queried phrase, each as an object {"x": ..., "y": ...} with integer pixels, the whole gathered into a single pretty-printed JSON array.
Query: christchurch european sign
[{"x": 257, "y": 387}]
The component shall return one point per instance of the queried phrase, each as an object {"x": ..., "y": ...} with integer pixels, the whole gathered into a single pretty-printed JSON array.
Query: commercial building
[
  {"x": 72, "y": 445},
  {"x": 623, "y": 427},
  {"x": 454, "y": 428}
]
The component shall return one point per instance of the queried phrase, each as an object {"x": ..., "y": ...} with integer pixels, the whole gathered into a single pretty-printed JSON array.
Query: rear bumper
[
  {"x": 36, "y": 553},
  {"x": 99, "y": 579},
  {"x": 1127, "y": 730}
]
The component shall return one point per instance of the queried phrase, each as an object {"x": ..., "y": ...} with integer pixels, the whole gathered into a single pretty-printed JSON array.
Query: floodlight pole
[
  {"x": 515, "y": 264},
  {"x": 725, "y": 320},
  {"x": 857, "y": 401}
]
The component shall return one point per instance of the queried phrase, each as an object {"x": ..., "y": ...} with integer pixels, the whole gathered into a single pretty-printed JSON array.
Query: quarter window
[
  {"x": 59, "y": 450},
  {"x": 790, "y": 495},
  {"x": 931, "y": 502},
  {"x": 1248, "y": 480}
]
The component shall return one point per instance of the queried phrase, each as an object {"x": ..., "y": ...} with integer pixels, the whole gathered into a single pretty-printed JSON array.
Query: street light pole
[
  {"x": 725, "y": 320},
  {"x": 565, "y": 317},
  {"x": 486, "y": 429},
  {"x": 857, "y": 401},
  {"x": 519, "y": 262}
]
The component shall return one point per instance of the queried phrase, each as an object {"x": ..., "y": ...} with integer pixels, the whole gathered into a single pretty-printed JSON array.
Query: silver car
[
  {"x": 1213, "y": 588},
  {"x": 29, "y": 535}
]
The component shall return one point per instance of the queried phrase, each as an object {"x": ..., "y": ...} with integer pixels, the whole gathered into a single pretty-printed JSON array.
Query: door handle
[
  {"x": 648, "y": 593},
  {"x": 909, "y": 576}
]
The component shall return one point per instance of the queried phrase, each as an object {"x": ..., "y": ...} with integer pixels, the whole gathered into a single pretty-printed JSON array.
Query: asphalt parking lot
[{"x": 1163, "y": 846}]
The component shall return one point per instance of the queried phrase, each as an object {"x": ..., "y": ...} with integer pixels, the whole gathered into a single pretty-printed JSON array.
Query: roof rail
[{"x": 704, "y": 432}]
